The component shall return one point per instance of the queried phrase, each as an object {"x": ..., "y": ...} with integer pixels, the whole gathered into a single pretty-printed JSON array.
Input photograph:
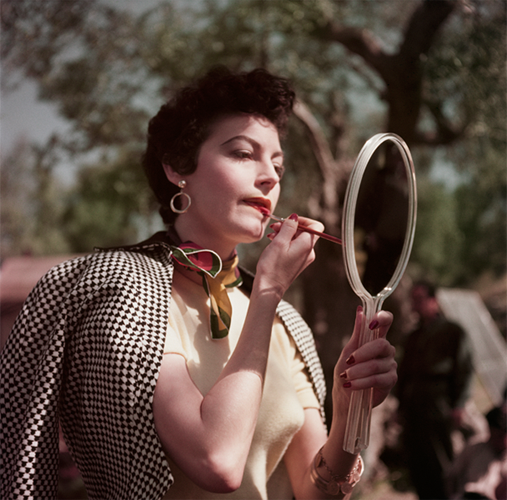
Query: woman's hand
[
  {"x": 371, "y": 365},
  {"x": 289, "y": 253}
]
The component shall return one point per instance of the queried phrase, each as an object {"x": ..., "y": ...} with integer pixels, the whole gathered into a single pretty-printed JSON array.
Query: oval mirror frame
[
  {"x": 349, "y": 211},
  {"x": 357, "y": 432}
]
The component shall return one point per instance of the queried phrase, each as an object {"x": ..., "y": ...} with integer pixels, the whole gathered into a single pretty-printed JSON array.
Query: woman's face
[{"x": 239, "y": 167}]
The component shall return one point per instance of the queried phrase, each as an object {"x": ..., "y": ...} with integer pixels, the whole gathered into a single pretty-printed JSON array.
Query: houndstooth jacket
[{"x": 85, "y": 351}]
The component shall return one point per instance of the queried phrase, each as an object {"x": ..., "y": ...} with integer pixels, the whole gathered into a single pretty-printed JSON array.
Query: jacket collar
[{"x": 160, "y": 239}]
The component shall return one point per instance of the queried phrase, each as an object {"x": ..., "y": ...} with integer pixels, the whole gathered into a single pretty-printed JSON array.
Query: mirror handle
[{"x": 357, "y": 431}]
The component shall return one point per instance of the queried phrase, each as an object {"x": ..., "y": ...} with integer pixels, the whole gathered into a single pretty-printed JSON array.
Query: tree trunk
[{"x": 329, "y": 302}]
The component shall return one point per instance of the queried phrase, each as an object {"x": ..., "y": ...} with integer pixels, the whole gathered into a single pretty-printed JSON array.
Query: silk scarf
[{"x": 217, "y": 277}]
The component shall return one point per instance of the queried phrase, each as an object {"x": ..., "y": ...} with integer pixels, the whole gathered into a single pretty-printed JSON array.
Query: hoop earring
[{"x": 181, "y": 185}]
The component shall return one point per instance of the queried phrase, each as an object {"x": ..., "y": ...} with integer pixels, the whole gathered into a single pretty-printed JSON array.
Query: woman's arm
[
  {"x": 372, "y": 365},
  {"x": 209, "y": 437}
]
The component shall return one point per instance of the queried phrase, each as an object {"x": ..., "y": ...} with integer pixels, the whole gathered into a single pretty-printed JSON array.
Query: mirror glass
[
  {"x": 381, "y": 216},
  {"x": 378, "y": 228}
]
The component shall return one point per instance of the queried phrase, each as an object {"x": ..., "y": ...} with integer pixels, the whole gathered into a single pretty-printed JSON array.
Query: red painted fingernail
[
  {"x": 293, "y": 217},
  {"x": 347, "y": 385},
  {"x": 343, "y": 375},
  {"x": 351, "y": 360},
  {"x": 359, "y": 309},
  {"x": 374, "y": 324}
]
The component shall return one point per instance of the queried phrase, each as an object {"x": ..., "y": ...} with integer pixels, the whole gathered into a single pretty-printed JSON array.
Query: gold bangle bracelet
[{"x": 336, "y": 485}]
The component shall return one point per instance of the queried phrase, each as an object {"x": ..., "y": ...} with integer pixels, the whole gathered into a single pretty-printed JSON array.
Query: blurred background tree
[{"x": 432, "y": 71}]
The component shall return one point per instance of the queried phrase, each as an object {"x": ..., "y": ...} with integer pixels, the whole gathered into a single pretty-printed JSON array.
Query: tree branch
[
  {"x": 358, "y": 41},
  {"x": 445, "y": 132},
  {"x": 423, "y": 26},
  {"x": 403, "y": 71},
  {"x": 319, "y": 142},
  {"x": 330, "y": 171}
]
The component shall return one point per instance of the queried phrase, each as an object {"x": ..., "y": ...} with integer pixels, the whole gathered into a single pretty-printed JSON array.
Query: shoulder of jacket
[
  {"x": 80, "y": 279},
  {"x": 156, "y": 242},
  {"x": 150, "y": 255}
]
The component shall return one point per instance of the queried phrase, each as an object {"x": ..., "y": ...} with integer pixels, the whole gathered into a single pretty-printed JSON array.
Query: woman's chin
[{"x": 254, "y": 234}]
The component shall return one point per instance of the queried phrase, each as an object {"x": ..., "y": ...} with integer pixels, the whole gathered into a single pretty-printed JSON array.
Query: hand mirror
[{"x": 378, "y": 228}]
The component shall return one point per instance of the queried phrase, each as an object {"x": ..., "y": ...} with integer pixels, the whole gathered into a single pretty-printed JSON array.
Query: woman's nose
[{"x": 267, "y": 174}]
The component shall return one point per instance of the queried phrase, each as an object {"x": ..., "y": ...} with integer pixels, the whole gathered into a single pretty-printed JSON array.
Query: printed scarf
[{"x": 217, "y": 277}]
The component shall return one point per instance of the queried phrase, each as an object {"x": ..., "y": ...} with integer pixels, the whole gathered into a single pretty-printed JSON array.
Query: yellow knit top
[{"x": 287, "y": 389}]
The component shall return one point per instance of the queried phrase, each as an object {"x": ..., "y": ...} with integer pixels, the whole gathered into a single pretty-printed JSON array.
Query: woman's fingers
[
  {"x": 382, "y": 322},
  {"x": 287, "y": 256},
  {"x": 291, "y": 245},
  {"x": 310, "y": 223},
  {"x": 301, "y": 221},
  {"x": 373, "y": 364},
  {"x": 373, "y": 358}
]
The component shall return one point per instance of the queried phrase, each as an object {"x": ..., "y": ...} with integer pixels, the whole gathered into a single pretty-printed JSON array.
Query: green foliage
[
  {"x": 31, "y": 204},
  {"x": 109, "y": 70},
  {"x": 110, "y": 206},
  {"x": 437, "y": 239},
  {"x": 468, "y": 73},
  {"x": 482, "y": 217},
  {"x": 34, "y": 33},
  {"x": 468, "y": 70}
]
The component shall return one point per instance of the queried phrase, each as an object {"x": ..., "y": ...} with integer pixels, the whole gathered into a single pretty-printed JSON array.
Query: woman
[{"x": 175, "y": 380}]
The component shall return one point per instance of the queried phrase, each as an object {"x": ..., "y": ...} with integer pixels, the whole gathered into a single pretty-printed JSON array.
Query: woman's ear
[{"x": 171, "y": 175}]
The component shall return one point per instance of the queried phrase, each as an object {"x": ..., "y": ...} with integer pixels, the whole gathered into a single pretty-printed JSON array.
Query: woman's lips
[{"x": 260, "y": 205}]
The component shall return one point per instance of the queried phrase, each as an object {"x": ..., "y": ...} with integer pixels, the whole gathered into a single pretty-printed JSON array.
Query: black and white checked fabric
[
  {"x": 305, "y": 342},
  {"x": 86, "y": 351}
]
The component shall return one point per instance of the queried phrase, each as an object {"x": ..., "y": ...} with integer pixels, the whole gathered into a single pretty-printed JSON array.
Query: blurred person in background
[
  {"x": 433, "y": 386},
  {"x": 480, "y": 470}
]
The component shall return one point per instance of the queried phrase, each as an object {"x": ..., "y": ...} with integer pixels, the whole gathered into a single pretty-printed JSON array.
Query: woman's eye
[
  {"x": 243, "y": 154},
  {"x": 279, "y": 169}
]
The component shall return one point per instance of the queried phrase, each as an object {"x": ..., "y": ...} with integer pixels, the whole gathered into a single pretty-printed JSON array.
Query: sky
[
  {"x": 25, "y": 118},
  {"x": 22, "y": 115}
]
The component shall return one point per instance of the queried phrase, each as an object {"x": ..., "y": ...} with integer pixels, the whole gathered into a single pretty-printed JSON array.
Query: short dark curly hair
[{"x": 177, "y": 131}]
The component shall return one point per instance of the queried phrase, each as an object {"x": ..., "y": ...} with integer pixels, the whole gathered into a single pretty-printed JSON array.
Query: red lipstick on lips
[{"x": 260, "y": 204}]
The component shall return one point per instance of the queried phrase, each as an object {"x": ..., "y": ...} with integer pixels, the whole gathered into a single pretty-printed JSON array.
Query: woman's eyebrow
[
  {"x": 252, "y": 142},
  {"x": 241, "y": 137}
]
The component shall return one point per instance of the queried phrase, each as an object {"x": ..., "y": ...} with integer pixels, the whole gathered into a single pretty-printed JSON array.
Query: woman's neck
[{"x": 224, "y": 249}]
